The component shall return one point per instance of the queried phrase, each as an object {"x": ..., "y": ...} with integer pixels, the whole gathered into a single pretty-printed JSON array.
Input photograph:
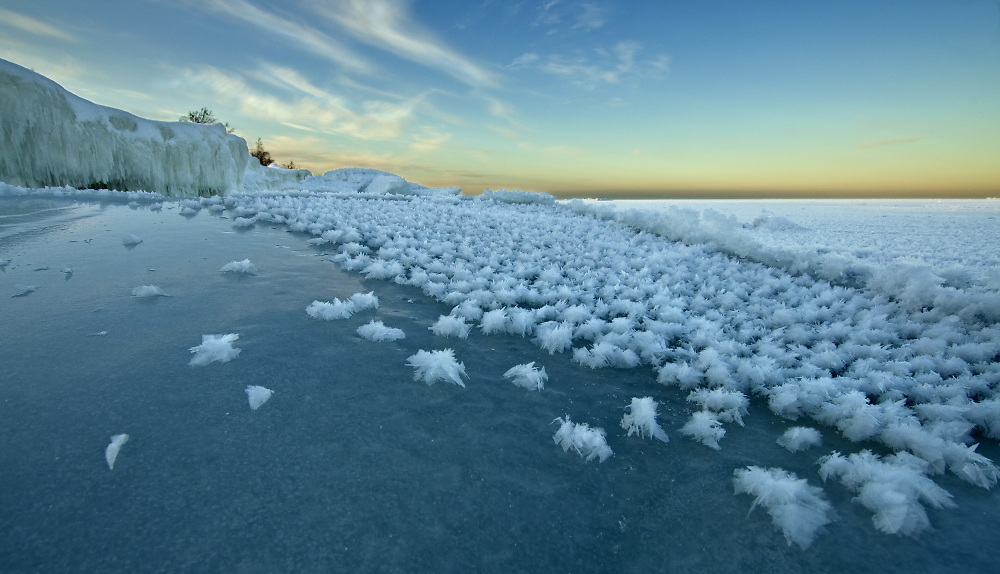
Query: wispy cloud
[
  {"x": 32, "y": 26},
  {"x": 386, "y": 24},
  {"x": 428, "y": 142},
  {"x": 304, "y": 36},
  {"x": 592, "y": 17},
  {"x": 888, "y": 142},
  {"x": 605, "y": 67},
  {"x": 307, "y": 107},
  {"x": 586, "y": 16}
]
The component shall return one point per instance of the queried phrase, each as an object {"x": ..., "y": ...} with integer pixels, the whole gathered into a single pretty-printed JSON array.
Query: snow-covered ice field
[{"x": 305, "y": 445}]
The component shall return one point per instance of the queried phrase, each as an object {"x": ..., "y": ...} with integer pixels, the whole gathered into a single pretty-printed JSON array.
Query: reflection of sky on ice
[{"x": 352, "y": 465}]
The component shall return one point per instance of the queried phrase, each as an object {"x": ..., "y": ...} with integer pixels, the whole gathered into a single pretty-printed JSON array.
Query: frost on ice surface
[
  {"x": 451, "y": 326},
  {"x": 111, "y": 453},
  {"x": 705, "y": 427},
  {"x": 796, "y": 508},
  {"x": 129, "y": 240},
  {"x": 527, "y": 376},
  {"x": 364, "y": 301},
  {"x": 24, "y": 290},
  {"x": 257, "y": 396},
  {"x": 330, "y": 310},
  {"x": 729, "y": 406},
  {"x": 239, "y": 267},
  {"x": 585, "y": 441},
  {"x": 554, "y": 337},
  {"x": 148, "y": 291},
  {"x": 214, "y": 348},
  {"x": 377, "y": 331},
  {"x": 641, "y": 419},
  {"x": 892, "y": 487},
  {"x": 495, "y": 321},
  {"x": 434, "y": 366},
  {"x": 800, "y": 438}
]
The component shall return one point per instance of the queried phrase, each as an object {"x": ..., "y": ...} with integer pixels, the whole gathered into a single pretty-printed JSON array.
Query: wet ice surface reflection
[{"x": 352, "y": 465}]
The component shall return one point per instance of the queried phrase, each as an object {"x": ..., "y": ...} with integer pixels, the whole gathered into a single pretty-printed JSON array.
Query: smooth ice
[{"x": 360, "y": 467}]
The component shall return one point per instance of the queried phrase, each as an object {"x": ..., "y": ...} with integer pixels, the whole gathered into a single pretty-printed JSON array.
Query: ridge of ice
[
  {"x": 111, "y": 453},
  {"x": 257, "y": 396}
]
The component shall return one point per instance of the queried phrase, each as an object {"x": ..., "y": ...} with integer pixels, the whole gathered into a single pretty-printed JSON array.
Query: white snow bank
[
  {"x": 214, "y": 348},
  {"x": 111, "y": 453},
  {"x": 377, "y": 331},
  {"x": 587, "y": 442},
  {"x": 641, "y": 419},
  {"x": 371, "y": 182},
  {"x": 257, "y": 396},
  {"x": 527, "y": 376},
  {"x": 796, "y": 508},
  {"x": 436, "y": 366},
  {"x": 800, "y": 438},
  {"x": 518, "y": 196},
  {"x": 258, "y": 178},
  {"x": 239, "y": 267},
  {"x": 148, "y": 291},
  {"x": 915, "y": 286},
  {"x": 892, "y": 487},
  {"x": 51, "y": 137}
]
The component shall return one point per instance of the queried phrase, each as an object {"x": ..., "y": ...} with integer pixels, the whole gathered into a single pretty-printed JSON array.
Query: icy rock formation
[
  {"x": 51, "y": 137},
  {"x": 527, "y": 376},
  {"x": 587, "y": 442},
  {"x": 641, "y": 419},
  {"x": 377, "y": 331},
  {"x": 214, "y": 348},
  {"x": 258, "y": 395},
  {"x": 111, "y": 453},
  {"x": 796, "y": 508},
  {"x": 239, "y": 267},
  {"x": 436, "y": 366},
  {"x": 800, "y": 438}
]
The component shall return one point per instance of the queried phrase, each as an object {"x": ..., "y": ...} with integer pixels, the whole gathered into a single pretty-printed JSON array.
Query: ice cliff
[{"x": 50, "y": 137}]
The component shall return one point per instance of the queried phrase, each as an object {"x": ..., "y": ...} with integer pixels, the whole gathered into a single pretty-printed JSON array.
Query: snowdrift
[
  {"x": 259, "y": 178},
  {"x": 50, "y": 137},
  {"x": 373, "y": 182}
]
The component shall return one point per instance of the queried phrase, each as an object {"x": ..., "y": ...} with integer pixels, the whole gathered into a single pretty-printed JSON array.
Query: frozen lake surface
[{"x": 352, "y": 465}]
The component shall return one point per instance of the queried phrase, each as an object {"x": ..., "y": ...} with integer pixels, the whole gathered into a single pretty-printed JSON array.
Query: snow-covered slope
[
  {"x": 272, "y": 177},
  {"x": 50, "y": 137},
  {"x": 354, "y": 180}
]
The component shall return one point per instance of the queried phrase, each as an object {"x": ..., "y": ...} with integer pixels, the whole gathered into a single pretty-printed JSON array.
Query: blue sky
[{"x": 583, "y": 98}]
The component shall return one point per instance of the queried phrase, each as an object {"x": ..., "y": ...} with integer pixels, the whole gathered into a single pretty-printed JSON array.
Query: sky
[{"x": 662, "y": 98}]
